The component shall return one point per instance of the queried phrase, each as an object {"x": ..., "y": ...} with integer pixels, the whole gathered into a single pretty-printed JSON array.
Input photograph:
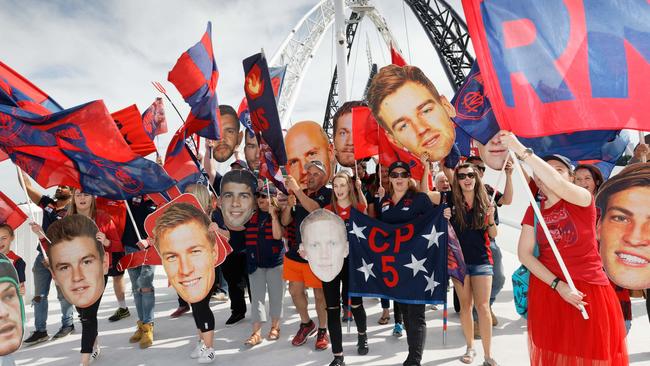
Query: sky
[{"x": 78, "y": 51}]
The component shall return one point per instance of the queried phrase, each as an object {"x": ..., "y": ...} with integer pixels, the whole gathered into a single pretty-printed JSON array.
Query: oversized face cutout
[
  {"x": 325, "y": 246},
  {"x": 187, "y": 252},
  {"x": 494, "y": 153},
  {"x": 624, "y": 234},
  {"x": 343, "y": 143},
  {"x": 12, "y": 309},
  {"x": 237, "y": 204},
  {"x": 78, "y": 269},
  {"x": 418, "y": 121},
  {"x": 306, "y": 141}
]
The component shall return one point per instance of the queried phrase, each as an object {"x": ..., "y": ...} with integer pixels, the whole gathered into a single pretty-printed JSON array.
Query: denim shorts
[{"x": 480, "y": 270}]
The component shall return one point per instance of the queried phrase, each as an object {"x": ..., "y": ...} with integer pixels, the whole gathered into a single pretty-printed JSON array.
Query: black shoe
[
  {"x": 362, "y": 344},
  {"x": 338, "y": 361},
  {"x": 36, "y": 338},
  {"x": 120, "y": 313},
  {"x": 64, "y": 331},
  {"x": 234, "y": 319}
]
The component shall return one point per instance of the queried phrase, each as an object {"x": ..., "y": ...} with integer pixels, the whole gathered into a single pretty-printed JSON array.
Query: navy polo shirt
[{"x": 409, "y": 207}]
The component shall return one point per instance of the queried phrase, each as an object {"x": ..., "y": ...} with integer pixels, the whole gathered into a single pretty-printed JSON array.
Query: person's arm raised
[
  {"x": 33, "y": 193},
  {"x": 563, "y": 188},
  {"x": 306, "y": 202}
]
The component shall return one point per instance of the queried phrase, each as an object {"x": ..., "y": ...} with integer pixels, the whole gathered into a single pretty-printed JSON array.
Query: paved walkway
[{"x": 175, "y": 338}]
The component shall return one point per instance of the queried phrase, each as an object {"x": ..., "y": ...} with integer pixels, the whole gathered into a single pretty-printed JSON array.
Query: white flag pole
[
  {"x": 135, "y": 227},
  {"x": 551, "y": 242},
  {"x": 29, "y": 208}
]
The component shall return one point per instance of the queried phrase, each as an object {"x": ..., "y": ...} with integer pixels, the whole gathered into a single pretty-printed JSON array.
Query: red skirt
[{"x": 559, "y": 336}]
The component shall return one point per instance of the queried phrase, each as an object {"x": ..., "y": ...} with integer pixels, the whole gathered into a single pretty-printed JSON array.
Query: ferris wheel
[{"x": 444, "y": 28}]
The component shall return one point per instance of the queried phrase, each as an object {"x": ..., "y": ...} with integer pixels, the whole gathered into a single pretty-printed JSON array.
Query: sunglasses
[
  {"x": 462, "y": 176},
  {"x": 399, "y": 175}
]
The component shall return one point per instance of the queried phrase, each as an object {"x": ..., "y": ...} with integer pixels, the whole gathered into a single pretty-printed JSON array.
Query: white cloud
[{"x": 79, "y": 51}]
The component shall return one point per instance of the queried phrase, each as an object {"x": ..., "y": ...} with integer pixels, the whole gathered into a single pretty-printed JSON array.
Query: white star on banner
[
  {"x": 358, "y": 230},
  {"x": 417, "y": 265},
  {"x": 366, "y": 269},
  {"x": 431, "y": 284},
  {"x": 433, "y": 237}
]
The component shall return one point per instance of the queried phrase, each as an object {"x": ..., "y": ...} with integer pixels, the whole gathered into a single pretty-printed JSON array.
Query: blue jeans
[
  {"x": 42, "y": 281},
  {"x": 142, "y": 278}
]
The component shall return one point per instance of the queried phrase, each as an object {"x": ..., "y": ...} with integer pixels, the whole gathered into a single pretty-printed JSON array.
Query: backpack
[{"x": 520, "y": 279}]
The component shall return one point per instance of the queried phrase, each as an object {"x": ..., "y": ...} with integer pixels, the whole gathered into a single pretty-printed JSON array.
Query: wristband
[
  {"x": 555, "y": 282},
  {"x": 528, "y": 152}
]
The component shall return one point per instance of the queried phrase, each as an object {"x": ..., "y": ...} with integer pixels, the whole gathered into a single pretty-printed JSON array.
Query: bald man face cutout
[{"x": 306, "y": 141}]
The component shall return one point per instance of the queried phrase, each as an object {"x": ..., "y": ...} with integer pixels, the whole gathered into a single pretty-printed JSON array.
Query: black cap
[
  {"x": 399, "y": 164},
  {"x": 241, "y": 163},
  {"x": 562, "y": 159}
]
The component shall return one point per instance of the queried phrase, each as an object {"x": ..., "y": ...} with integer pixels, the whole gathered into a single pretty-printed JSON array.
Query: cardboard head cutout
[
  {"x": 324, "y": 243},
  {"x": 78, "y": 262},
  {"x": 231, "y": 137},
  {"x": 188, "y": 250},
  {"x": 237, "y": 201},
  {"x": 342, "y": 133},
  {"x": 409, "y": 108},
  {"x": 494, "y": 153},
  {"x": 12, "y": 309},
  {"x": 306, "y": 141},
  {"x": 624, "y": 226}
]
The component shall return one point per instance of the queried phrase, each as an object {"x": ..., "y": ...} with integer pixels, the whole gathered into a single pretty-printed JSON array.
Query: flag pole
[
  {"x": 444, "y": 323},
  {"x": 31, "y": 212},
  {"x": 135, "y": 227},
  {"x": 542, "y": 222},
  {"x": 501, "y": 173}
]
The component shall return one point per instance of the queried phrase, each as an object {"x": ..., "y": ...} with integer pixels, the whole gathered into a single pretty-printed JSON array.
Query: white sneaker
[
  {"x": 198, "y": 350},
  {"x": 207, "y": 356},
  {"x": 95, "y": 354}
]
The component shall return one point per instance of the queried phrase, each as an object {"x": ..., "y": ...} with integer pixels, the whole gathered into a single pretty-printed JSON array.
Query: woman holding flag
[{"x": 557, "y": 333}]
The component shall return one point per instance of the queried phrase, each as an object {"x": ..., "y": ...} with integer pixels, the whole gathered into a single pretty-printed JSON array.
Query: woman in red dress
[{"x": 557, "y": 333}]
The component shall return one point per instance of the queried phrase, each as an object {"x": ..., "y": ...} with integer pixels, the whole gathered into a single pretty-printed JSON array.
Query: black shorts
[{"x": 115, "y": 259}]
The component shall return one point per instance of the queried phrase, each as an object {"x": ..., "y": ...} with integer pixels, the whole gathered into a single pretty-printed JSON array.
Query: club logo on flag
[
  {"x": 122, "y": 177},
  {"x": 471, "y": 105},
  {"x": 254, "y": 82}
]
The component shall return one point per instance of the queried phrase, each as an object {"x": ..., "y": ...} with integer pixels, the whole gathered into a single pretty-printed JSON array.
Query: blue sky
[{"x": 78, "y": 51}]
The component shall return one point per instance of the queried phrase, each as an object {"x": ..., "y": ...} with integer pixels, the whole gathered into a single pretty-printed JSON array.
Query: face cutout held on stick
[
  {"x": 12, "y": 308},
  {"x": 324, "y": 243}
]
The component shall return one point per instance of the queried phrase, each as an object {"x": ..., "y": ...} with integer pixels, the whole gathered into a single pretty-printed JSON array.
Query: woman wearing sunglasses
[
  {"x": 473, "y": 222},
  {"x": 402, "y": 205}
]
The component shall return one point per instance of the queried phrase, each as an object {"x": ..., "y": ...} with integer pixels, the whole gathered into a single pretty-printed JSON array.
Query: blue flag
[{"x": 406, "y": 263}]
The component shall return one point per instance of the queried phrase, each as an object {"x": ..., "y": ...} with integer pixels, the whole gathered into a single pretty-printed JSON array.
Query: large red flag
[
  {"x": 364, "y": 133},
  {"x": 129, "y": 122},
  {"x": 10, "y": 213},
  {"x": 563, "y": 67}
]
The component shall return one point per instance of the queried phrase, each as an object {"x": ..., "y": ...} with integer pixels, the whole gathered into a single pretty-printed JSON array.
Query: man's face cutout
[
  {"x": 624, "y": 235},
  {"x": 237, "y": 202},
  {"x": 187, "y": 252},
  {"x": 78, "y": 269},
  {"x": 306, "y": 141},
  {"x": 12, "y": 309},
  {"x": 325, "y": 246}
]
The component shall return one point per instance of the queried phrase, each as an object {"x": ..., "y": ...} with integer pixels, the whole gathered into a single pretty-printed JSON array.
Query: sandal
[
  {"x": 253, "y": 340},
  {"x": 489, "y": 361},
  {"x": 274, "y": 334},
  {"x": 468, "y": 357},
  {"x": 384, "y": 320}
]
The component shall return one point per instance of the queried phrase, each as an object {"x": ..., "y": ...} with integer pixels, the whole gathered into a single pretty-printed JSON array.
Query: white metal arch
[{"x": 298, "y": 49}]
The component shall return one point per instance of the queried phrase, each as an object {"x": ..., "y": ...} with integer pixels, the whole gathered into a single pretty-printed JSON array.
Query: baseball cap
[
  {"x": 562, "y": 159},
  {"x": 240, "y": 163},
  {"x": 399, "y": 164},
  {"x": 316, "y": 163}
]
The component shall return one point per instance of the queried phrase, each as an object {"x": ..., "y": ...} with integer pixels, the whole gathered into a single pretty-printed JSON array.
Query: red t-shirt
[
  {"x": 344, "y": 213},
  {"x": 573, "y": 229},
  {"x": 106, "y": 225}
]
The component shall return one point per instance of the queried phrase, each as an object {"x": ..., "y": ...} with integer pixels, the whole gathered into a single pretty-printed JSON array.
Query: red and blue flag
[
  {"x": 181, "y": 164},
  {"x": 154, "y": 120},
  {"x": 17, "y": 91},
  {"x": 195, "y": 75},
  {"x": 277, "y": 78},
  {"x": 10, "y": 213},
  {"x": 564, "y": 66},
  {"x": 406, "y": 263},
  {"x": 129, "y": 122}
]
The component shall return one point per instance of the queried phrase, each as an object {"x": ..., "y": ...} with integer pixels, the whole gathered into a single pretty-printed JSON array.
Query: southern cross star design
[
  {"x": 431, "y": 284},
  {"x": 366, "y": 269},
  {"x": 358, "y": 231},
  {"x": 433, "y": 237},
  {"x": 417, "y": 265}
]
